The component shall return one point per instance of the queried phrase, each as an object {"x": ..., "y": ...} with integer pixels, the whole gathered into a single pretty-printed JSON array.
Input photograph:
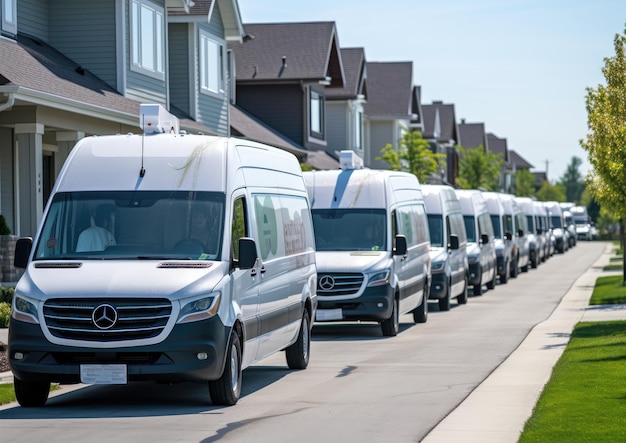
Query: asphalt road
[{"x": 359, "y": 387}]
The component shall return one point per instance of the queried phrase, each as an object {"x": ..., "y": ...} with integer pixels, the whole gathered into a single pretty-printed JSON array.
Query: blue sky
[{"x": 521, "y": 67}]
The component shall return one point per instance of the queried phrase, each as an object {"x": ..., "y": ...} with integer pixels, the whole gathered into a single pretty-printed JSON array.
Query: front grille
[
  {"x": 134, "y": 319},
  {"x": 336, "y": 285}
]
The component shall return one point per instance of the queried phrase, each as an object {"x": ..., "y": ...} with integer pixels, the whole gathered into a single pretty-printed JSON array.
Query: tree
[
  {"x": 573, "y": 181},
  {"x": 479, "y": 169},
  {"x": 524, "y": 183},
  {"x": 605, "y": 142},
  {"x": 413, "y": 155},
  {"x": 549, "y": 192}
]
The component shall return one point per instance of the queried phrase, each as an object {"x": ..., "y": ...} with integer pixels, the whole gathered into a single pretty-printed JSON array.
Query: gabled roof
[
  {"x": 353, "y": 60},
  {"x": 498, "y": 145},
  {"x": 472, "y": 135},
  {"x": 289, "y": 52},
  {"x": 245, "y": 125},
  {"x": 35, "y": 73},
  {"x": 417, "y": 122},
  {"x": 518, "y": 161},
  {"x": 389, "y": 89},
  {"x": 440, "y": 122},
  {"x": 186, "y": 10}
]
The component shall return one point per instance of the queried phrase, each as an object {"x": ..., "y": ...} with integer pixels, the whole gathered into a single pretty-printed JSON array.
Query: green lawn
[
  {"x": 585, "y": 399},
  {"x": 6, "y": 393},
  {"x": 608, "y": 290}
]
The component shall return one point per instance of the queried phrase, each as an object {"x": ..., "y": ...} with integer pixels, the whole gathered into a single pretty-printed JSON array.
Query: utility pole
[{"x": 547, "y": 167}]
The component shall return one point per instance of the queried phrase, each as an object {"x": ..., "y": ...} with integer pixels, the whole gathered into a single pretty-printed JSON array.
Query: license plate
[
  {"x": 328, "y": 314},
  {"x": 103, "y": 374}
]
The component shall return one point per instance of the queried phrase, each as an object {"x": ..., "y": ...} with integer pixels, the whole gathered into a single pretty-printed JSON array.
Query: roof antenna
[{"x": 142, "y": 171}]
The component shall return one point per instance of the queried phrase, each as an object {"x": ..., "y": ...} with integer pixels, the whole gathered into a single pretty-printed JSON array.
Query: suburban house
[
  {"x": 345, "y": 106},
  {"x": 282, "y": 73},
  {"x": 441, "y": 130},
  {"x": 74, "y": 69},
  {"x": 472, "y": 135},
  {"x": 389, "y": 110},
  {"x": 499, "y": 146}
]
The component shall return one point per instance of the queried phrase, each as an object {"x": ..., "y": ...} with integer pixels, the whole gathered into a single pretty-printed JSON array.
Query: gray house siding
[
  {"x": 89, "y": 38},
  {"x": 179, "y": 67},
  {"x": 337, "y": 126},
  {"x": 279, "y": 106},
  {"x": 381, "y": 133},
  {"x": 6, "y": 176},
  {"x": 32, "y": 18}
]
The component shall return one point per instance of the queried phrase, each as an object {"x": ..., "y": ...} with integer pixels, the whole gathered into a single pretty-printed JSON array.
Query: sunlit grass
[{"x": 608, "y": 290}]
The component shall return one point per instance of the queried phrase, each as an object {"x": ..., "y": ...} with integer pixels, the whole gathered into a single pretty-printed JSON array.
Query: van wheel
[
  {"x": 525, "y": 268},
  {"x": 478, "y": 287},
  {"x": 492, "y": 284},
  {"x": 462, "y": 297},
  {"x": 298, "y": 353},
  {"x": 31, "y": 394},
  {"x": 226, "y": 390},
  {"x": 420, "y": 314},
  {"x": 444, "y": 303},
  {"x": 504, "y": 278},
  {"x": 391, "y": 326},
  {"x": 514, "y": 269}
]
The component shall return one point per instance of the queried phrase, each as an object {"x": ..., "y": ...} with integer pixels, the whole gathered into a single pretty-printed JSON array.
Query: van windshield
[
  {"x": 435, "y": 225},
  {"x": 470, "y": 228},
  {"x": 555, "y": 222},
  {"x": 497, "y": 227},
  {"x": 133, "y": 225},
  {"x": 350, "y": 229}
]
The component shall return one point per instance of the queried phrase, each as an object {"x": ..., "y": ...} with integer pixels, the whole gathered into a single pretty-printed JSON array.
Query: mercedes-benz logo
[
  {"x": 104, "y": 316},
  {"x": 327, "y": 283}
]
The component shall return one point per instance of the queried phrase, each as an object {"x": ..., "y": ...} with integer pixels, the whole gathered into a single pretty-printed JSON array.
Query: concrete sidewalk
[{"x": 498, "y": 408}]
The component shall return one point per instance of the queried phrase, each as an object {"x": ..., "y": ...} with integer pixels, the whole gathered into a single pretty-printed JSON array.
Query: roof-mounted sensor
[
  {"x": 349, "y": 160},
  {"x": 155, "y": 119}
]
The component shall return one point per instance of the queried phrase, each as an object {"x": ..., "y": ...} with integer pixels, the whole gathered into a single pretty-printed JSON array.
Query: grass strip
[
  {"x": 585, "y": 398},
  {"x": 6, "y": 393},
  {"x": 608, "y": 290}
]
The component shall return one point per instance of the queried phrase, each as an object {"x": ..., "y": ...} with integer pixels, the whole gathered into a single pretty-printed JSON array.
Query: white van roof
[{"x": 360, "y": 188}]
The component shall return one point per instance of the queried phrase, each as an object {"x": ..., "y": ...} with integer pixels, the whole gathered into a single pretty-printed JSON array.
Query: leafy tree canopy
[
  {"x": 524, "y": 183},
  {"x": 413, "y": 155},
  {"x": 479, "y": 169},
  {"x": 550, "y": 192}
]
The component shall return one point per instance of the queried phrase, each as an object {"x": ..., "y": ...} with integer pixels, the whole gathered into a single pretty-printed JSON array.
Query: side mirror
[
  {"x": 539, "y": 231},
  {"x": 247, "y": 253},
  {"x": 454, "y": 242},
  {"x": 484, "y": 239},
  {"x": 401, "y": 246},
  {"x": 508, "y": 236},
  {"x": 520, "y": 233},
  {"x": 23, "y": 247}
]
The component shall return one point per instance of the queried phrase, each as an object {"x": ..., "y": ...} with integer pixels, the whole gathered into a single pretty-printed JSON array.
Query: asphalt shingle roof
[
  {"x": 518, "y": 161},
  {"x": 309, "y": 50},
  {"x": 472, "y": 135},
  {"x": 498, "y": 145},
  {"x": 353, "y": 60},
  {"x": 389, "y": 89},
  {"x": 447, "y": 121}
]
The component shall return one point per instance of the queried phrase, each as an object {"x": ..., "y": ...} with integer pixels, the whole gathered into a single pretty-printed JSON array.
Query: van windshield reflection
[
  {"x": 147, "y": 225},
  {"x": 350, "y": 229}
]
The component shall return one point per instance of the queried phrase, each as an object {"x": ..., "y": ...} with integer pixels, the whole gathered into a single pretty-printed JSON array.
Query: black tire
[
  {"x": 504, "y": 278},
  {"x": 391, "y": 326},
  {"x": 31, "y": 394},
  {"x": 298, "y": 353},
  {"x": 420, "y": 314},
  {"x": 226, "y": 390},
  {"x": 463, "y": 296},
  {"x": 444, "y": 303},
  {"x": 525, "y": 268},
  {"x": 514, "y": 269},
  {"x": 478, "y": 287},
  {"x": 492, "y": 284}
]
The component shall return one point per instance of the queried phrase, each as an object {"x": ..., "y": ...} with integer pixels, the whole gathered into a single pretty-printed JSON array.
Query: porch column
[
  {"x": 66, "y": 140},
  {"x": 29, "y": 166}
]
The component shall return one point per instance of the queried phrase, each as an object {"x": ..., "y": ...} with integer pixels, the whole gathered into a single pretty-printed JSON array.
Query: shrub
[
  {"x": 6, "y": 294},
  {"x": 4, "y": 228},
  {"x": 5, "y": 312}
]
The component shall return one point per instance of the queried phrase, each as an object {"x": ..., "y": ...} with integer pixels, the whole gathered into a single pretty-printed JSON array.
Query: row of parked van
[
  {"x": 173, "y": 257},
  {"x": 387, "y": 244}
]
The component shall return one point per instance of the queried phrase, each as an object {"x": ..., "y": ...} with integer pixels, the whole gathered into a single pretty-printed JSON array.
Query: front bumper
[{"x": 375, "y": 304}]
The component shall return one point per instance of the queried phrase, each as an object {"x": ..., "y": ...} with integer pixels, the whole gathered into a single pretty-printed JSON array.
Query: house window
[
  {"x": 316, "y": 114},
  {"x": 211, "y": 65},
  {"x": 148, "y": 37},
  {"x": 358, "y": 130},
  {"x": 9, "y": 16}
]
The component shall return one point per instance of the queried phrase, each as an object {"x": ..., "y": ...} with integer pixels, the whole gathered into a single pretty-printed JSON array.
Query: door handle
[{"x": 262, "y": 269}]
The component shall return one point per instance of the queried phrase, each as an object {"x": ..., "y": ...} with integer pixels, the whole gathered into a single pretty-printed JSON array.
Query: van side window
[{"x": 238, "y": 225}]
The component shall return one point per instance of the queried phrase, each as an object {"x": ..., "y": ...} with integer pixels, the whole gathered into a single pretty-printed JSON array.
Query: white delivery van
[
  {"x": 533, "y": 236},
  {"x": 557, "y": 226},
  {"x": 372, "y": 243},
  {"x": 517, "y": 220},
  {"x": 448, "y": 246},
  {"x": 582, "y": 221},
  {"x": 153, "y": 290},
  {"x": 481, "y": 242},
  {"x": 506, "y": 247}
]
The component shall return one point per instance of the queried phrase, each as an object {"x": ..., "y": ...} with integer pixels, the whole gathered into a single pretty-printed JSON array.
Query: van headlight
[
  {"x": 378, "y": 278},
  {"x": 199, "y": 308},
  {"x": 24, "y": 309},
  {"x": 437, "y": 265}
]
